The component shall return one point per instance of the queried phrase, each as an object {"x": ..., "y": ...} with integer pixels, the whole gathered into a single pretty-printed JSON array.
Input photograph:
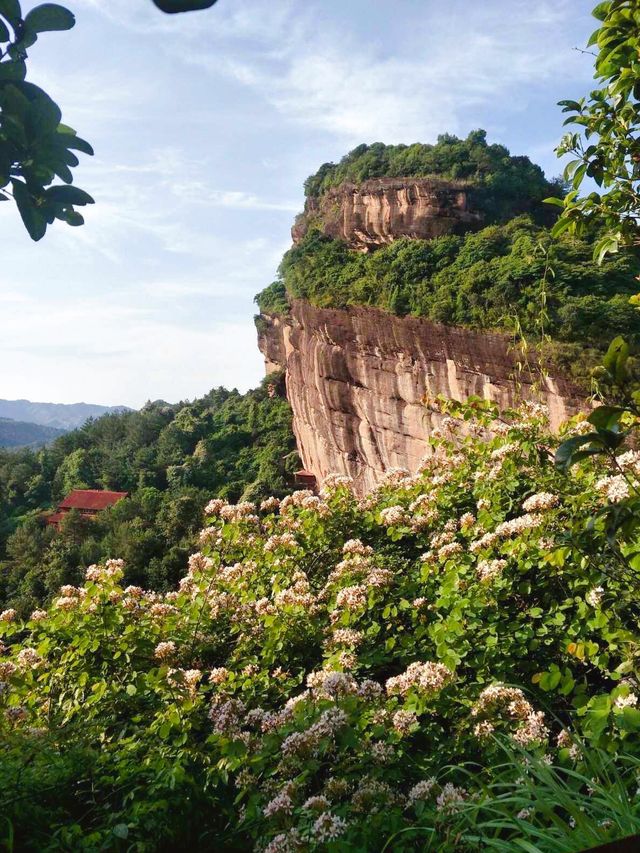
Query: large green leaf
[
  {"x": 10, "y": 9},
  {"x": 49, "y": 17},
  {"x": 173, "y": 6},
  {"x": 68, "y": 195},
  {"x": 33, "y": 220}
]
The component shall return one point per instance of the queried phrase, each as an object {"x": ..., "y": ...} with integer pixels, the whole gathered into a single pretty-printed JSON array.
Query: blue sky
[{"x": 205, "y": 126}]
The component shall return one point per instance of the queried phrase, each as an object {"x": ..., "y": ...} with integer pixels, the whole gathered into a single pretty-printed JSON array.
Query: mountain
[
  {"x": 22, "y": 434},
  {"x": 60, "y": 416},
  {"x": 430, "y": 270}
]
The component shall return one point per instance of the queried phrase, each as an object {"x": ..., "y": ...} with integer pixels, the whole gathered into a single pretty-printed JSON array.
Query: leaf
[
  {"x": 121, "y": 830},
  {"x": 605, "y": 417},
  {"x": 10, "y": 9},
  {"x": 33, "y": 220},
  {"x": 68, "y": 195},
  {"x": 564, "y": 457},
  {"x": 173, "y": 6},
  {"x": 49, "y": 17},
  {"x": 631, "y": 718}
]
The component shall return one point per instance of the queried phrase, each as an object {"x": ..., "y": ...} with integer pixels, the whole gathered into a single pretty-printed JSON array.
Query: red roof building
[
  {"x": 305, "y": 479},
  {"x": 87, "y": 502}
]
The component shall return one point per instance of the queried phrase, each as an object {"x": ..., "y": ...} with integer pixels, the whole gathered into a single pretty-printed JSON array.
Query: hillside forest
[{"x": 172, "y": 459}]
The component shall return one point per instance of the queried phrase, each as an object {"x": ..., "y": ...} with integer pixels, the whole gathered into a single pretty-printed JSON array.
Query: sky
[{"x": 205, "y": 126}]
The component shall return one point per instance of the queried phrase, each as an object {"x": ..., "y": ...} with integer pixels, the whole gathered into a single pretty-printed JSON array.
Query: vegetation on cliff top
[
  {"x": 501, "y": 278},
  {"x": 500, "y": 183},
  {"x": 335, "y": 673},
  {"x": 172, "y": 459}
]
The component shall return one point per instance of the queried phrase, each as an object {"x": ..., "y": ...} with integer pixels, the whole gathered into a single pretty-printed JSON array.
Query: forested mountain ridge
[
  {"x": 57, "y": 415},
  {"x": 172, "y": 459},
  {"x": 21, "y": 434}
]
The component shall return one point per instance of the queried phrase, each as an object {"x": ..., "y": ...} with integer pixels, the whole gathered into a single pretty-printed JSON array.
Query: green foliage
[
  {"x": 484, "y": 280},
  {"x": 35, "y": 146},
  {"x": 171, "y": 459},
  {"x": 341, "y": 668},
  {"x": 606, "y": 146},
  {"x": 501, "y": 185},
  {"x": 173, "y": 6}
]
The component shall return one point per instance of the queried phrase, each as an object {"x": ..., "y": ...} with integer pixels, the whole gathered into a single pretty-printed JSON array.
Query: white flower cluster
[
  {"x": 393, "y": 515},
  {"x": 540, "y": 502},
  {"x": 489, "y": 569},
  {"x": 628, "y": 701},
  {"x": 426, "y": 677},
  {"x": 615, "y": 488},
  {"x": 594, "y": 596},
  {"x": 420, "y": 791}
]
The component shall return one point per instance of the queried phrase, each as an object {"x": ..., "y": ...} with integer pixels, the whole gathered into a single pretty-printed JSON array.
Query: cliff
[
  {"x": 357, "y": 380},
  {"x": 380, "y": 210}
]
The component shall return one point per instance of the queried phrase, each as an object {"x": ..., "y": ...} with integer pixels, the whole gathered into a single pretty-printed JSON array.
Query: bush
[{"x": 333, "y": 671}]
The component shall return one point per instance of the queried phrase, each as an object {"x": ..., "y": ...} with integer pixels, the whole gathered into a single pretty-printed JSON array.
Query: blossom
[
  {"x": 332, "y": 683},
  {"x": 483, "y": 729},
  {"x": 449, "y": 550},
  {"x": 355, "y": 546},
  {"x": 352, "y": 597},
  {"x": 533, "y": 729},
  {"x": 450, "y": 798},
  {"x": 38, "y": 615},
  {"x": 540, "y": 502},
  {"x": 487, "y": 570},
  {"x": 165, "y": 650},
  {"x": 420, "y": 791},
  {"x": 269, "y": 505},
  {"x": 467, "y": 520},
  {"x": 7, "y": 669},
  {"x": 280, "y": 804},
  {"x": 614, "y": 488},
  {"x": 594, "y": 596},
  {"x": 392, "y": 515},
  {"x": 426, "y": 677},
  {"x": 214, "y": 506},
  {"x": 628, "y": 701},
  {"x": 328, "y": 827},
  {"x": 285, "y": 842},
  {"x": 29, "y": 658},
  {"x": 518, "y": 525},
  {"x": 316, "y": 804},
  {"x": 345, "y": 637},
  {"x": 218, "y": 675},
  {"x": 283, "y": 540},
  {"x": 403, "y": 721},
  {"x": 8, "y": 615}
]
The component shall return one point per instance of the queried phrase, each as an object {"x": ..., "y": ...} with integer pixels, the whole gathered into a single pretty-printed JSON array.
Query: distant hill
[
  {"x": 22, "y": 434},
  {"x": 62, "y": 416}
]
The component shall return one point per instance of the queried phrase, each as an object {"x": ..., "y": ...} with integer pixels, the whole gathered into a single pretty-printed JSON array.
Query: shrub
[{"x": 326, "y": 657}]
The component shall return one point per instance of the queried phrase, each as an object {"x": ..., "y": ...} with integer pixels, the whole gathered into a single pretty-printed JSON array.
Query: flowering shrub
[{"x": 331, "y": 666}]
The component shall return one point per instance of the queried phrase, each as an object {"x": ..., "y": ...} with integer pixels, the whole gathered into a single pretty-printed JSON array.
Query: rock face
[
  {"x": 357, "y": 380},
  {"x": 380, "y": 210}
]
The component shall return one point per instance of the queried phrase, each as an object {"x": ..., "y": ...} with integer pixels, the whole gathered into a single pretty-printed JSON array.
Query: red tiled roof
[{"x": 91, "y": 499}]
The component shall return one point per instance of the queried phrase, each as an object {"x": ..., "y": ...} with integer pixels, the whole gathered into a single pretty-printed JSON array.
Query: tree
[
  {"x": 607, "y": 149},
  {"x": 35, "y": 146}
]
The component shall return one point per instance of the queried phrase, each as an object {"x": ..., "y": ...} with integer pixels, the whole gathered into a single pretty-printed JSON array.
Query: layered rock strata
[
  {"x": 357, "y": 381},
  {"x": 380, "y": 210}
]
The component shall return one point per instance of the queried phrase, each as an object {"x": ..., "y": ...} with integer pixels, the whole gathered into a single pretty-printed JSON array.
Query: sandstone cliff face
[
  {"x": 380, "y": 210},
  {"x": 357, "y": 379}
]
